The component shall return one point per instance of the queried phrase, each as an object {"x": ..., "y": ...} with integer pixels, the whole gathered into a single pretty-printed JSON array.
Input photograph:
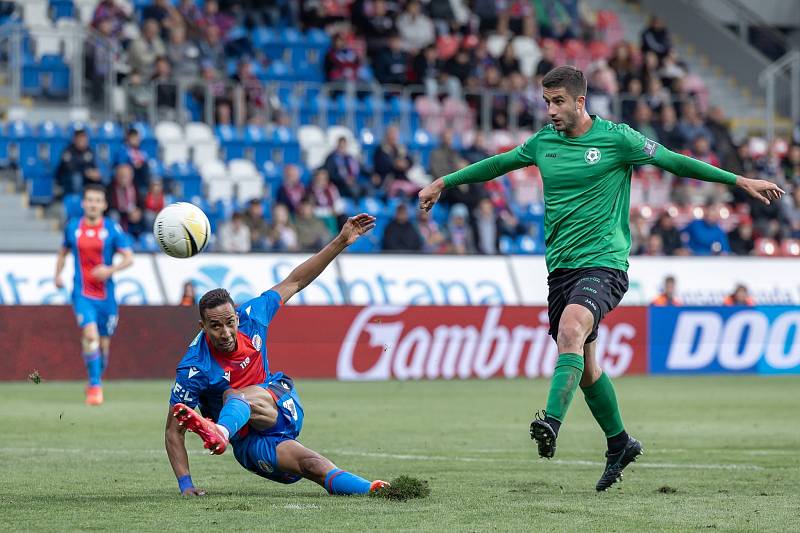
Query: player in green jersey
[{"x": 586, "y": 164}]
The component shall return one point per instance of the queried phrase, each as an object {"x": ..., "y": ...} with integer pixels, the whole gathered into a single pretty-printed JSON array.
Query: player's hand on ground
[
  {"x": 101, "y": 272},
  {"x": 59, "y": 283},
  {"x": 430, "y": 194},
  {"x": 763, "y": 190},
  {"x": 357, "y": 226},
  {"x": 193, "y": 491}
]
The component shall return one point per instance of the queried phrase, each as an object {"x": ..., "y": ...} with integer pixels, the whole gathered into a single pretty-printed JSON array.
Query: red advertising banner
[
  {"x": 395, "y": 342},
  {"x": 344, "y": 342}
]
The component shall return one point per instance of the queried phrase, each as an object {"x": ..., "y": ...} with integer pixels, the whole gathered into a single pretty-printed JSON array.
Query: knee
[
  {"x": 571, "y": 334},
  {"x": 90, "y": 342}
]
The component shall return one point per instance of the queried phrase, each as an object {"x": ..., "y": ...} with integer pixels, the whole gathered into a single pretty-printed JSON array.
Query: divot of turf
[{"x": 403, "y": 488}]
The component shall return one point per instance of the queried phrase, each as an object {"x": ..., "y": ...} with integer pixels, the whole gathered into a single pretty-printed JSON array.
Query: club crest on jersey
[
  {"x": 256, "y": 341},
  {"x": 592, "y": 156}
]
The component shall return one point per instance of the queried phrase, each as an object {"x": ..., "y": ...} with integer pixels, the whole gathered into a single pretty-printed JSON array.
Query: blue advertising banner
[{"x": 764, "y": 340}]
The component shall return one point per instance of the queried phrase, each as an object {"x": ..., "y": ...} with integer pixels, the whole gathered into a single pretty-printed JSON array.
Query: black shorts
[{"x": 598, "y": 289}]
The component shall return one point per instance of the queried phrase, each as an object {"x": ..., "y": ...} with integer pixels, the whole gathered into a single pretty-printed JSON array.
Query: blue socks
[
  {"x": 337, "y": 481},
  {"x": 234, "y": 414},
  {"x": 94, "y": 367}
]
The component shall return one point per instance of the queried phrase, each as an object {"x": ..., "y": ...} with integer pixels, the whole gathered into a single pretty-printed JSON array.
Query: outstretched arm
[
  {"x": 61, "y": 260},
  {"x": 682, "y": 165},
  {"x": 303, "y": 275},
  {"x": 174, "y": 441},
  {"x": 484, "y": 170}
]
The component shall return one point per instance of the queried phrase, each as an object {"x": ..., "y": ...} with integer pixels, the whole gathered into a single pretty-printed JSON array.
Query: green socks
[
  {"x": 566, "y": 377},
  {"x": 602, "y": 401}
]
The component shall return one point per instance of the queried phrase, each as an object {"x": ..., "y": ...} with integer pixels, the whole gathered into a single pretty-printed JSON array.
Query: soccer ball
[{"x": 182, "y": 230}]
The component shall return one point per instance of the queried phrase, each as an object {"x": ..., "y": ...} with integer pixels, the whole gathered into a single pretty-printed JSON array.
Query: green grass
[{"x": 720, "y": 453}]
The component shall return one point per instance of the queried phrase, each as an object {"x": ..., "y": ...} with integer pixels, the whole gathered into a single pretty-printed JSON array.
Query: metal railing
[
  {"x": 770, "y": 77},
  {"x": 31, "y": 80}
]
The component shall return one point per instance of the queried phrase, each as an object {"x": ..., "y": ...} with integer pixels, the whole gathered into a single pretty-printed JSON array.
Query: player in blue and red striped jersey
[
  {"x": 226, "y": 373},
  {"x": 94, "y": 239}
]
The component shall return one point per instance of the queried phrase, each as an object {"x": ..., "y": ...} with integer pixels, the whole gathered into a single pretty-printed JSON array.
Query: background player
[
  {"x": 94, "y": 239},
  {"x": 586, "y": 165},
  {"x": 226, "y": 372}
]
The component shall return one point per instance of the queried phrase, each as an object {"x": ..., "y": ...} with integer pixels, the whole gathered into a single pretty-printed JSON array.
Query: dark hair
[
  {"x": 131, "y": 132},
  {"x": 568, "y": 77},
  {"x": 669, "y": 279},
  {"x": 94, "y": 187},
  {"x": 214, "y": 298}
]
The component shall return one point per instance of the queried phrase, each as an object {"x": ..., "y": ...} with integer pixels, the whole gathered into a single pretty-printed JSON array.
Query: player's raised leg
[
  {"x": 574, "y": 326},
  {"x": 598, "y": 391},
  {"x": 294, "y": 458},
  {"x": 92, "y": 358},
  {"x": 234, "y": 415}
]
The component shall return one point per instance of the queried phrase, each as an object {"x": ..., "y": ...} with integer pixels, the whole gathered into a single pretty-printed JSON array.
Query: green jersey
[{"x": 587, "y": 184}]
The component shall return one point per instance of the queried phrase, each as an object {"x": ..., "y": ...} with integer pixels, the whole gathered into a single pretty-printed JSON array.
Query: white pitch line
[
  {"x": 397, "y": 456},
  {"x": 412, "y": 457}
]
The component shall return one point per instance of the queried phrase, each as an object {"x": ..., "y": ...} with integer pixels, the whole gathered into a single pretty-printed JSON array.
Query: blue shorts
[
  {"x": 257, "y": 450},
  {"x": 101, "y": 312}
]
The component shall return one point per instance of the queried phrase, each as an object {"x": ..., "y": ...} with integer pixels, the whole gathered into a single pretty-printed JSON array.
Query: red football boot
[
  {"x": 378, "y": 484},
  {"x": 213, "y": 438}
]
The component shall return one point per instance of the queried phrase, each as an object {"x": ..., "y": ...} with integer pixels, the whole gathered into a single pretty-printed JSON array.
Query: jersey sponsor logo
[
  {"x": 649, "y": 147},
  {"x": 182, "y": 393},
  {"x": 256, "y": 338},
  {"x": 551, "y": 154},
  {"x": 592, "y": 156},
  {"x": 193, "y": 372}
]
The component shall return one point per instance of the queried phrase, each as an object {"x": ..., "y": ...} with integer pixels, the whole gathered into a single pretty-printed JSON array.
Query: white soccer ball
[{"x": 182, "y": 230}]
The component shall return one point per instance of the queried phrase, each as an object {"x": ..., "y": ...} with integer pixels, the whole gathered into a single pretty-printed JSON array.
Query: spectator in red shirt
[
  {"x": 342, "y": 61},
  {"x": 154, "y": 200},
  {"x": 124, "y": 198}
]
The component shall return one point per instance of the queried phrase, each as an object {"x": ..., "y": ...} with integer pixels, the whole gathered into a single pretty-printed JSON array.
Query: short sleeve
[
  {"x": 189, "y": 384},
  {"x": 636, "y": 148},
  {"x": 122, "y": 240},
  {"x": 526, "y": 152},
  {"x": 262, "y": 308}
]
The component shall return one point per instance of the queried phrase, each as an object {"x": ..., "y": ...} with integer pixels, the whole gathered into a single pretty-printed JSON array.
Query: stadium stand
[{"x": 225, "y": 98}]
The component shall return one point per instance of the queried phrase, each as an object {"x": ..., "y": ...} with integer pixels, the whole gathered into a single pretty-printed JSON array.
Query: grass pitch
[{"x": 721, "y": 453}]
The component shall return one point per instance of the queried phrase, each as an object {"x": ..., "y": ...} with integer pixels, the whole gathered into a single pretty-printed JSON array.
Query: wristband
[{"x": 185, "y": 482}]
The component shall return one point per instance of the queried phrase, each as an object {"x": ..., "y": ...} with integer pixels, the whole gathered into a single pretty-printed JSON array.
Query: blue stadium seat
[
  {"x": 50, "y": 140},
  {"x": 40, "y": 189},
  {"x": 185, "y": 179},
  {"x": 528, "y": 245},
  {"x": 72, "y": 206},
  {"x": 257, "y": 145},
  {"x": 272, "y": 172},
  {"x": 21, "y": 144},
  {"x": 31, "y": 83},
  {"x": 149, "y": 143},
  {"x": 54, "y": 76},
  {"x": 62, "y": 9},
  {"x": 156, "y": 168},
  {"x": 231, "y": 140},
  {"x": 507, "y": 245},
  {"x": 106, "y": 141},
  {"x": 285, "y": 147},
  {"x": 277, "y": 70}
]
